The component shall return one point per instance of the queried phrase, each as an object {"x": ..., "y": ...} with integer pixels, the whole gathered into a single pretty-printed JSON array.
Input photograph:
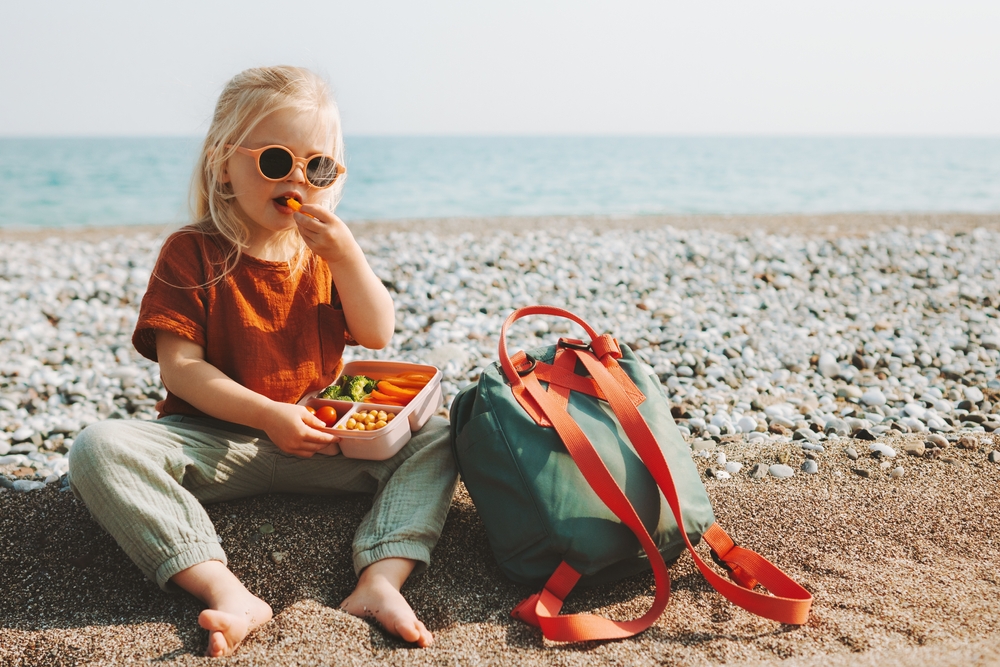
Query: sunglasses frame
[{"x": 302, "y": 162}]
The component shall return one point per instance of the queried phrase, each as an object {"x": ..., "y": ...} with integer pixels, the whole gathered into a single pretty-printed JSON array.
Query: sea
[{"x": 75, "y": 182}]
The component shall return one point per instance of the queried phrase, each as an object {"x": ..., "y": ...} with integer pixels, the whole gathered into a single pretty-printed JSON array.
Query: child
[{"x": 247, "y": 310}]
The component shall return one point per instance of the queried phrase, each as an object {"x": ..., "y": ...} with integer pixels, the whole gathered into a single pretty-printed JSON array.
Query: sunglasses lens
[
  {"x": 321, "y": 171},
  {"x": 275, "y": 163}
]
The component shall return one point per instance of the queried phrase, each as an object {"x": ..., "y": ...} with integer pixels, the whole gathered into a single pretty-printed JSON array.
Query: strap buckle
[
  {"x": 531, "y": 366},
  {"x": 573, "y": 344}
]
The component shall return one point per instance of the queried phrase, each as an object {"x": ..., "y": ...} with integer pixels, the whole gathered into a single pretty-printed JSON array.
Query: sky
[{"x": 518, "y": 67}]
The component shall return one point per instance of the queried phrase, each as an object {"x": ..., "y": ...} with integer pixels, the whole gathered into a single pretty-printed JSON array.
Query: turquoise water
[{"x": 120, "y": 181}]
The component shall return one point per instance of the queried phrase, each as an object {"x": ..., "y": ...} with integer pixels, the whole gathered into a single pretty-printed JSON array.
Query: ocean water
[{"x": 121, "y": 181}]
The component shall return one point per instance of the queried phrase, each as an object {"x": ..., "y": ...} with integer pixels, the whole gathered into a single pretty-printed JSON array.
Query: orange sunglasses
[{"x": 276, "y": 162}]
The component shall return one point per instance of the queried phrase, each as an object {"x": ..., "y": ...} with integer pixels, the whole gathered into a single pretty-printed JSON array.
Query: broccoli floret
[
  {"x": 358, "y": 387},
  {"x": 332, "y": 392},
  {"x": 350, "y": 388}
]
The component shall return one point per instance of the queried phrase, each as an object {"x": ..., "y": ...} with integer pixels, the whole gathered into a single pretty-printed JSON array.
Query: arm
[
  {"x": 367, "y": 304},
  {"x": 184, "y": 370}
]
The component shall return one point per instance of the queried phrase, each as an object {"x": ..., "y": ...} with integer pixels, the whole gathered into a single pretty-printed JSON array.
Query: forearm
[
  {"x": 213, "y": 392},
  {"x": 367, "y": 305}
]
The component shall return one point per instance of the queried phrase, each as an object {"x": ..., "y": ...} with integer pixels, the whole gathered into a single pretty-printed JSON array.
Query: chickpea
[
  {"x": 380, "y": 423},
  {"x": 381, "y": 415},
  {"x": 352, "y": 422},
  {"x": 370, "y": 426},
  {"x": 390, "y": 416}
]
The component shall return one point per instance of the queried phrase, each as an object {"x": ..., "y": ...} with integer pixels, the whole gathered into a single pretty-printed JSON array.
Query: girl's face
[{"x": 305, "y": 134}]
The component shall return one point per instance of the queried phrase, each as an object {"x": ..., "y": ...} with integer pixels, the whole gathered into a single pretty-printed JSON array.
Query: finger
[
  {"x": 318, "y": 438},
  {"x": 317, "y": 213},
  {"x": 312, "y": 420}
]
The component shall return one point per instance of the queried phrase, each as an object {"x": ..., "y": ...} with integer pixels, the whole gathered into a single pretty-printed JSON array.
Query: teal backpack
[{"x": 579, "y": 474}]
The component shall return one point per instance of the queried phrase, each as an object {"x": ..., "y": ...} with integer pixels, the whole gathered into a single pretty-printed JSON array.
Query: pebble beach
[{"x": 836, "y": 377}]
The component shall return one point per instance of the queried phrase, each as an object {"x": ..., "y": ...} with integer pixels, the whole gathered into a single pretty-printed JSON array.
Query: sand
[{"x": 904, "y": 571}]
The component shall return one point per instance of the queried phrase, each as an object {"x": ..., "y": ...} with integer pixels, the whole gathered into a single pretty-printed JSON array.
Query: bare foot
[
  {"x": 233, "y": 611},
  {"x": 377, "y": 596},
  {"x": 227, "y": 627}
]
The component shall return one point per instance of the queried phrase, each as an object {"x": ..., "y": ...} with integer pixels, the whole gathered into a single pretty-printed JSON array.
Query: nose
[{"x": 298, "y": 173}]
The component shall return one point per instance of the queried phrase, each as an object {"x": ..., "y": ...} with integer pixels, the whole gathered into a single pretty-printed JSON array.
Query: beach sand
[{"x": 904, "y": 571}]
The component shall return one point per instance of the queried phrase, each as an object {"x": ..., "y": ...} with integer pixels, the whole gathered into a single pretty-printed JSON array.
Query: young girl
[{"x": 247, "y": 310}]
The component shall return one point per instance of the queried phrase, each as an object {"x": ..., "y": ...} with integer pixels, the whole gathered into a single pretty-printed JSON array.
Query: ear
[{"x": 223, "y": 171}]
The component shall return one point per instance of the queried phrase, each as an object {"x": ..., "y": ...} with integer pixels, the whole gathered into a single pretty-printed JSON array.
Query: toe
[
  {"x": 220, "y": 631},
  {"x": 217, "y": 645}
]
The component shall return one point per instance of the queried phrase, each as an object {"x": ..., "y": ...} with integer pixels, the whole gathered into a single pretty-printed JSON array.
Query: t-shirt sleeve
[{"x": 176, "y": 297}]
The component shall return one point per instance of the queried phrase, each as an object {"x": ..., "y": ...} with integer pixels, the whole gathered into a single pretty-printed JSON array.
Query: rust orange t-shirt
[{"x": 273, "y": 330}]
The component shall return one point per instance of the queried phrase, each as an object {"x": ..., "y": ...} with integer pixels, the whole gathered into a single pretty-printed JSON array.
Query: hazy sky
[{"x": 514, "y": 67}]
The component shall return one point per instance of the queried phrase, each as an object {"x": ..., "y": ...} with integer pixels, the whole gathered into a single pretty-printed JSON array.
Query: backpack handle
[{"x": 508, "y": 366}]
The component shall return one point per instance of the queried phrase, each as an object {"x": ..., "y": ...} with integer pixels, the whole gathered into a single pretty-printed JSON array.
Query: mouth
[{"x": 289, "y": 200}]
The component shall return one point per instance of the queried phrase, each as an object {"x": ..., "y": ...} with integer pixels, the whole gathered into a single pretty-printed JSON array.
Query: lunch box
[{"x": 381, "y": 443}]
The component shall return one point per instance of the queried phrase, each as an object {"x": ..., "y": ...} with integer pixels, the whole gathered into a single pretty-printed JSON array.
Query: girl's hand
[
  {"x": 326, "y": 234},
  {"x": 295, "y": 430}
]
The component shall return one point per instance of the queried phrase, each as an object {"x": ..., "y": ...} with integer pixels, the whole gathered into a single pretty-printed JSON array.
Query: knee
[
  {"x": 94, "y": 449},
  {"x": 434, "y": 434}
]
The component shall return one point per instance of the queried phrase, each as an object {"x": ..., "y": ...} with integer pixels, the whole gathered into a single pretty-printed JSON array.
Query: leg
[
  {"x": 413, "y": 492},
  {"x": 405, "y": 522},
  {"x": 233, "y": 611},
  {"x": 143, "y": 481}
]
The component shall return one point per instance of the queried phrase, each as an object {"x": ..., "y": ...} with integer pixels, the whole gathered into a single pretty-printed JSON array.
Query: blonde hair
[{"x": 246, "y": 100}]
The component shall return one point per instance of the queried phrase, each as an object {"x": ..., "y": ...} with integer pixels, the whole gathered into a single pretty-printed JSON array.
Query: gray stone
[
  {"x": 938, "y": 440},
  {"x": 780, "y": 470},
  {"x": 837, "y": 427},
  {"x": 699, "y": 445},
  {"x": 810, "y": 467},
  {"x": 851, "y": 453}
]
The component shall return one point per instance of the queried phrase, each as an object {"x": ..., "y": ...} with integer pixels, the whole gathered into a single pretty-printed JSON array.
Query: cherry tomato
[
  {"x": 311, "y": 409},
  {"x": 327, "y": 415}
]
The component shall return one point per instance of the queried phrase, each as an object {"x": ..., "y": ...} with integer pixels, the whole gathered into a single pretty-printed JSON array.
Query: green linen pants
[{"x": 145, "y": 482}]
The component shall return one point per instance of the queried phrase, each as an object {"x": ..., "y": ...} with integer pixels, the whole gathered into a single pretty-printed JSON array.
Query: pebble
[
  {"x": 27, "y": 485},
  {"x": 967, "y": 442},
  {"x": 810, "y": 467},
  {"x": 278, "y": 556},
  {"x": 882, "y": 450},
  {"x": 851, "y": 453},
  {"x": 861, "y": 472},
  {"x": 780, "y": 471},
  {"x": 994, "y": 456},
  {"x": 758, "y": 471},
  {"x": 938, "y": 440},
  {"x": 266, "y": 529},
  {"x": 914, "y": 449},
  {"x": 897, "y": 472},
  {"x": 733, "y": 467},
  {"x": 873, "y": 397}
]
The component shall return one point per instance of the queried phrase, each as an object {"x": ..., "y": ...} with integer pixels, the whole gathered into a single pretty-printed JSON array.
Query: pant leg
[
  {"x": 413, "y": 491},
  {"x": 143, "y": 480}
]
